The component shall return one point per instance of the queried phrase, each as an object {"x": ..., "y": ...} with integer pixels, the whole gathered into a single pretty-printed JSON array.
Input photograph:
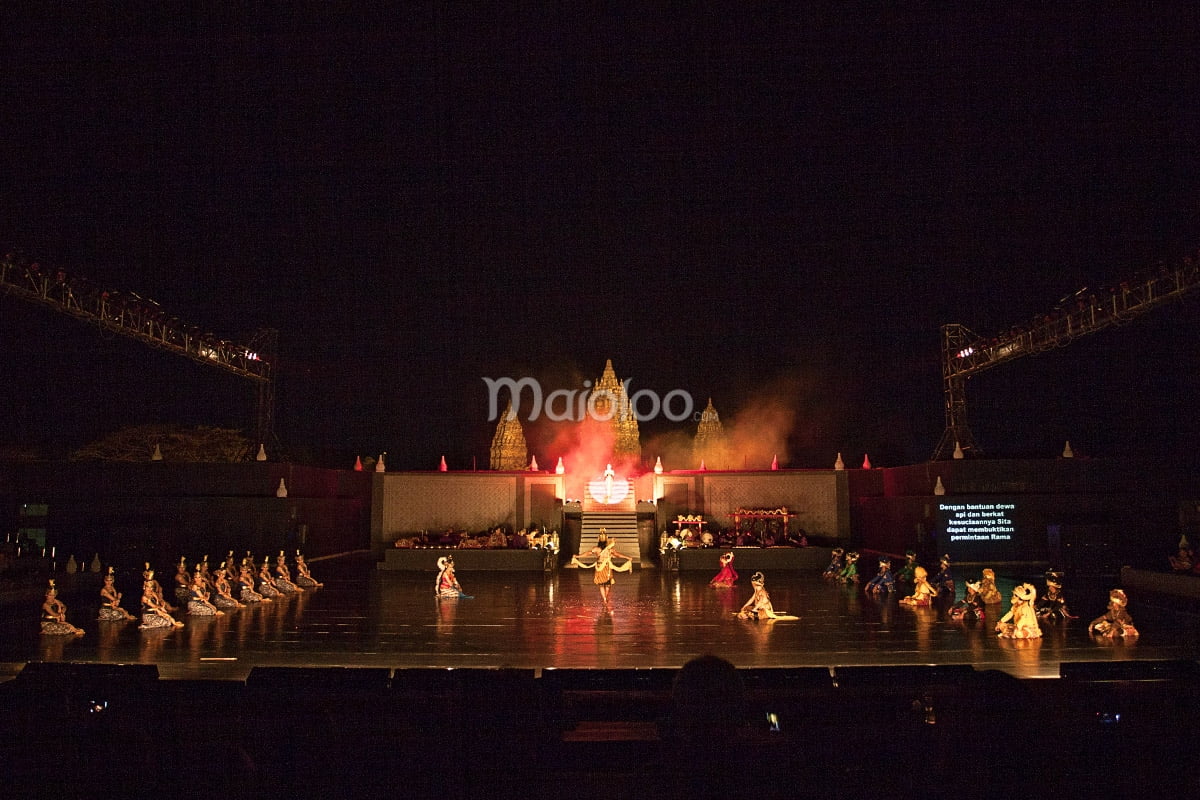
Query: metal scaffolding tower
[
  {"x": 144, "y": 320},
  {"x": 965, "y": 354}
]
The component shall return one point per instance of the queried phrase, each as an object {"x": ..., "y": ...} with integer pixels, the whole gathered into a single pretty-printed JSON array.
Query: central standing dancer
[{"x": 605, "y": 551}]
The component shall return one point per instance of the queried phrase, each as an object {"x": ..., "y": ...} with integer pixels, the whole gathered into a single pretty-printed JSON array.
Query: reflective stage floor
[{"x": 364, "y": 617}]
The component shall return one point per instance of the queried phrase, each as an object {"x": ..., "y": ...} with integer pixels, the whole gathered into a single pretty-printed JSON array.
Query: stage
[{"x": 366, "y": 617}]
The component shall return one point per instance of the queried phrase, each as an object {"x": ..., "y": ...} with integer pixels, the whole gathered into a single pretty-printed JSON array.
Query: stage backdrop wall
[
  {"x": 818, "y": 498},
  {"x": 404, "y": 503}
]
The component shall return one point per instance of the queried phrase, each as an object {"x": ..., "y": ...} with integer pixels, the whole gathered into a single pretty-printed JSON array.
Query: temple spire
[{"x": 509, "y": 450}]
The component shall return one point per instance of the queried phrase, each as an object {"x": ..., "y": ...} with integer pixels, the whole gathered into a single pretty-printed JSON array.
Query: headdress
[
  {"x": 51, "y": 587},
  {"x": 1118, "y": 597},
  {"x": 989, "y": 573},
  {"x": 973, "y": 586},
  {"x": 444, "y": 561},
  {"x": 885, "y": 563},
  {"x": 1026, "y": 592},
  {"x": 757, "y": 578},
  {"x": 852, "y": 556},
  {"x": 1053, "y": 578}
]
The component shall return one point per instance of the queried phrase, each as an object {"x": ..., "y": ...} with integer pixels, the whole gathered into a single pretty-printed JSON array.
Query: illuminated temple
[
  {"x": 608, "y": 397},
  {"x": 710, "y": 447},
  {"x": 509, "y": 450}
]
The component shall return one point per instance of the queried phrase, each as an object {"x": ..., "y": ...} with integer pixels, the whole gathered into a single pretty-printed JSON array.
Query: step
[{"x": 621, "y": 528}]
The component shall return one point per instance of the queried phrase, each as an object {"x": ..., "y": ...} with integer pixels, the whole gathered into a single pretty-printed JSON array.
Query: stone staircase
[{"x": 621, "y": 528}]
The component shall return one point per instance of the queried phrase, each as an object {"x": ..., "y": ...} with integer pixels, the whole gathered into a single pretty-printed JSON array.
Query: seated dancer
[
  {"x": 283, "y": 576},
  {"x": 245, "y": 586},
  {"x": 222, "y": 594},
  {"x": 759, "y": 605},
  {"x": 837, "y": 562},
  {"x": 1184, "y": 559},
  {"x": 906, "y": 576},
  {"x": 54, "y": 615},
  {"x": 110, "y": 605},
  {"x": 154, "y": 613},
  {"x": 304, "y": 578},
  {"x": 923, "y": 592},
  {"x": 849, "y": 573},
  {"x": 266, "y": 584},
  {"x": 884, "y": 582},
  {"x": 198, "y": 604},
  {"x": 987, "y": 588},
  {"x": 944, "y": 581},
  {"x": 604, "y": 565},
  {"x": 205, "y": 575},
  {"x": 446, "y": 584},
  {"x": 1021, "y": 620},
  {"x": 156, "y": 587},
  {"x": 183, "y": 581},
  {"x": 1052, "y": 605},
  {"x": 1115, "y": 623},
  {"x": 970, "y": 607},
  {"x": 727, "y": 576}
]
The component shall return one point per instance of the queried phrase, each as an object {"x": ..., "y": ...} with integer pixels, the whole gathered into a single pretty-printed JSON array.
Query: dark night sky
[{"x": 739, "y": 200}]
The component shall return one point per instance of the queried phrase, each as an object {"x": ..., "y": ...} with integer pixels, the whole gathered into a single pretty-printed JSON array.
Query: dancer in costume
[
  {"x": 283, "y": 576},
  {"x": 849, "y": 573},
  {"x": 156, "y": 587},
  {"x": 987, "y": 588},
  {"x": 907, "y": 575},
  {"x": 759, "y": 606},
  {"x": 54, "y": 615},
  {"x": 446, "y": 584},
  {"x": 884, "y": 582},
  {"x": 154, "y": 613},
  {"x": 266, "y": 584},
  {"x": 970, "y": 607},
  {"x": 245, "y": 586},
  {"x": 1115, "y": 623},
  {"x": 110, "y": 605},
  {"x": 304, "y": 578},
  {"x": 183, "y": 581},
  {"x": 222, "y": 595},
  {"x": 923, "y": 592},
  {"x": 1052, "y": 605},
  {"x": 837, "y": 562},
  {"x": 198, "y": 604},
  {"x": 728, "y": 576},
  {"x": 1021, "y": 620},
  {"x": 604, "y": 565},
  {"x": 943, "y": 582}
]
